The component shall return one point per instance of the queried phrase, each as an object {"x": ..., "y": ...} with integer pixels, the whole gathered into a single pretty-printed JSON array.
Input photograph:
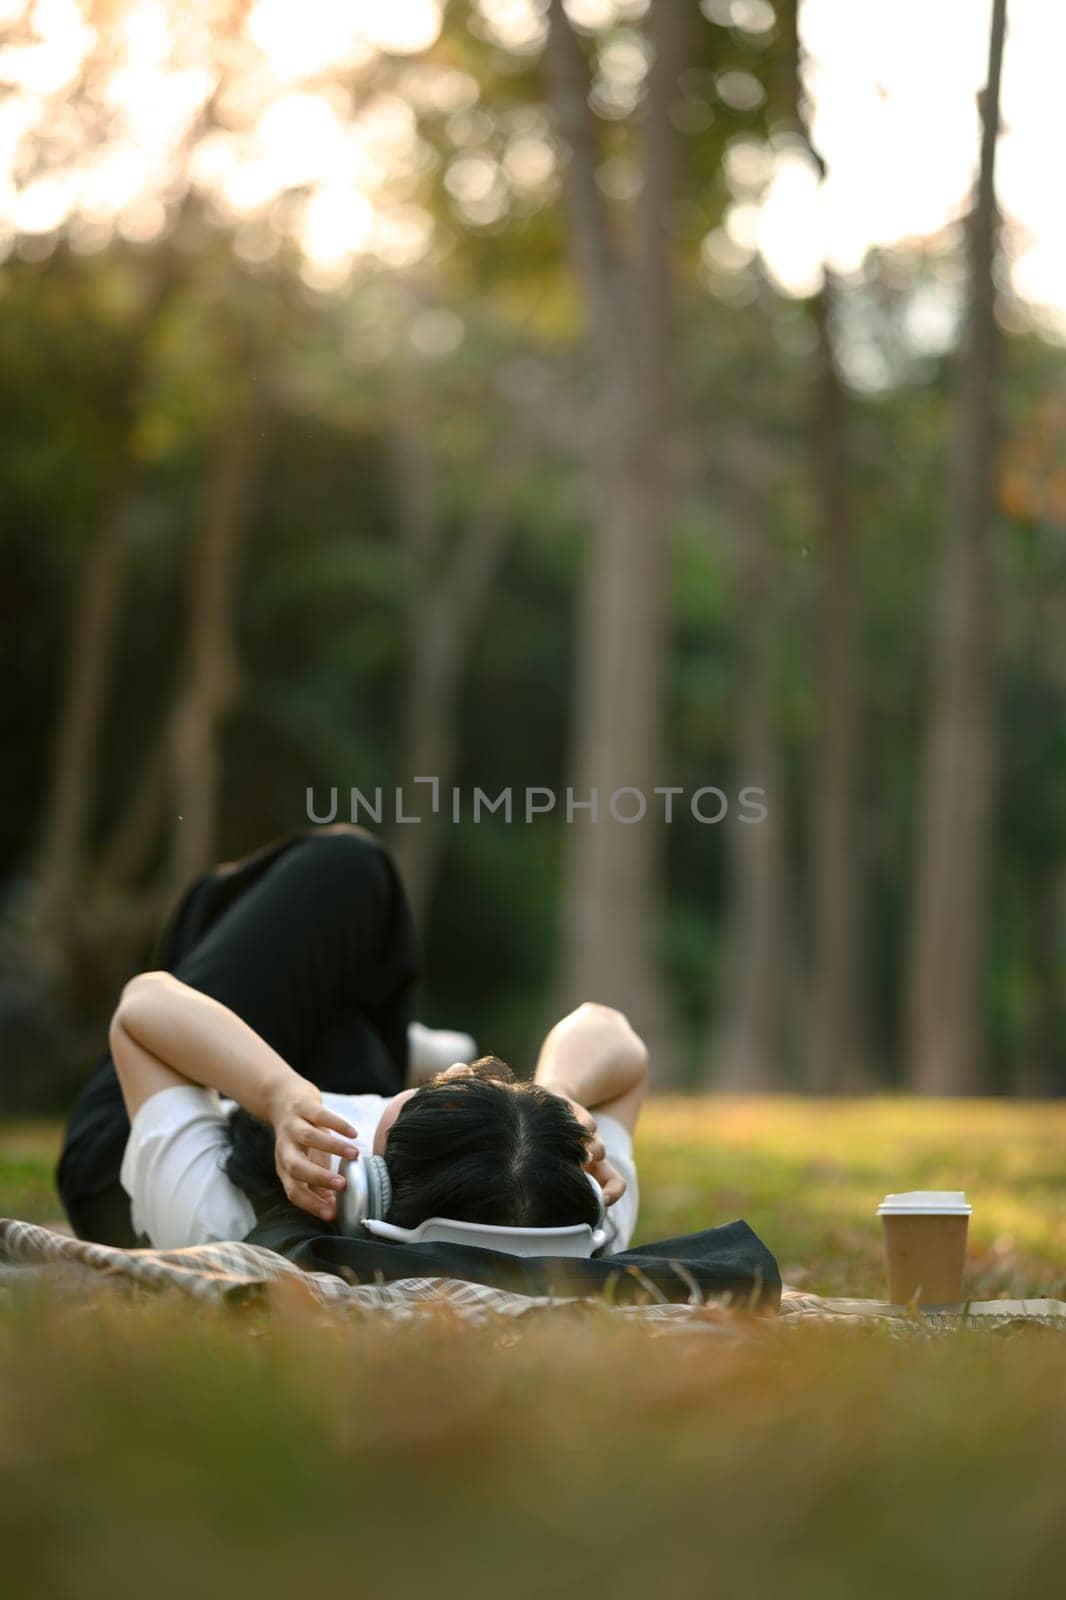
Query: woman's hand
[
  {"x": 610, "y": 1181},
  {"x": 306, "y": 1135}
]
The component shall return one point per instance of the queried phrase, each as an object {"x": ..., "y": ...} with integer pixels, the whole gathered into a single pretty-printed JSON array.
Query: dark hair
[
  {"x": 250, "y": 1163},
  {"x": 480, "y": 1146}
]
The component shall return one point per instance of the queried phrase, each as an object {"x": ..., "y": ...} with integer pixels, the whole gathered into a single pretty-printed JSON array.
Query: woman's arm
[
  {"x": 595, "y": 1057},
  {"x": 595, "y": 1060},
  {"x": 164, "y": 1034}
]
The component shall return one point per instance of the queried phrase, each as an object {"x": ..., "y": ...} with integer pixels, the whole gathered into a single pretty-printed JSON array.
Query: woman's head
[{"x": 476, "y": 1145}]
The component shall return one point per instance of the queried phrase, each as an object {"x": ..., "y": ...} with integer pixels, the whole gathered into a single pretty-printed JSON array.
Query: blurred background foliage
[{"x": 506, "y": 461}]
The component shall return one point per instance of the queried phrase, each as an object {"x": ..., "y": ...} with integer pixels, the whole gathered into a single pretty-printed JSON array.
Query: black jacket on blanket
[{"x": 730, "y": 1260}]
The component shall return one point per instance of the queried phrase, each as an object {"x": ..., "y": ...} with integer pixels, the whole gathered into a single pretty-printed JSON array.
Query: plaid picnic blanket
[{"x": 235, "y": 1273}]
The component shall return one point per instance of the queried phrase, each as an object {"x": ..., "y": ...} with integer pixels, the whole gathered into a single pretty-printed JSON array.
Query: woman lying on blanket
[{"x": 273, "y": 1049}]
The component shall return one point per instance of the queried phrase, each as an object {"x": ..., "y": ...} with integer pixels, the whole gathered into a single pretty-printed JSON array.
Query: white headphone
[{"x": 367, "y": 1196}]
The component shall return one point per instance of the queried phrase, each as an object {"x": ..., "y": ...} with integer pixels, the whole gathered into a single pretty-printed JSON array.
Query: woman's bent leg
[{"x": 312, "y": 945}]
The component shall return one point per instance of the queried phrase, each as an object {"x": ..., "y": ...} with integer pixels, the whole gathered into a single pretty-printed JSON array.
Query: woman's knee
[
  {"x": 346, "y": 842},
  {"x": 347, "y": 857}
]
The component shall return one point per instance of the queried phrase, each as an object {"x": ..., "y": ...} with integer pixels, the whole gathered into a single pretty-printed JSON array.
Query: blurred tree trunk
[
  {"x": 135, "y": 836},
  {"x": 449, "y": 585},
  {"x": 68, "y": 806},
  {"x": 945, "y": 1052},
  {"x": 612, "y": 889},
  {"x": 179, "y": 777},
  {"x": 837, "y": 1026},
  {"x": 213, "y": 680},
  {"x": 67, "y": 811},
  {"x": 838, "y": 1033},
  {"x": 428, "y": 738},
  {"x": 749, "y": 1019},
  {"x": 1041, "y": 1069}
]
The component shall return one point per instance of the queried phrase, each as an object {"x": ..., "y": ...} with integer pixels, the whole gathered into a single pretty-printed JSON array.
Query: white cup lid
[{"x": 925, "y": 1202}]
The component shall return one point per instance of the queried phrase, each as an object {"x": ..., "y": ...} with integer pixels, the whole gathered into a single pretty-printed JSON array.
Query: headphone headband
[{"x": 367, "y": 1197}]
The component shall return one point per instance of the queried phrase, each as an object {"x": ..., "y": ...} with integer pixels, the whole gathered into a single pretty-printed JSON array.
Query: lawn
[{"x": 188, "y": 1453}]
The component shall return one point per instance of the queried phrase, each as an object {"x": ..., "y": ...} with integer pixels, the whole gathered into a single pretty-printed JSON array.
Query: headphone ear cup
[
  {"x": 367, "y": 1192},
  {"x": 354, "y": 1197},
  {"x": 378, "y": 1188}
]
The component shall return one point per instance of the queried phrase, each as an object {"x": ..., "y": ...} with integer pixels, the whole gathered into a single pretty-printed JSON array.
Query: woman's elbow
[
  {"x": 625, "y": 1042},
  {"x": 632, "y": 1047},
  {"x": 138, "y": 992},
  {"x": 638, "y": 1055}
]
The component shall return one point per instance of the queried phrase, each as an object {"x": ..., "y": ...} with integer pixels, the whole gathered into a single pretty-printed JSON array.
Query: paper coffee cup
[{"x": 925, "y": 1245}]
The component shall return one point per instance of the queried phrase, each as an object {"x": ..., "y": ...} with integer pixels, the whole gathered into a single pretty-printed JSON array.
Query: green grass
[
  {"x": 808, "y": 1174},
  {"x": 153, "y": 1446}
]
